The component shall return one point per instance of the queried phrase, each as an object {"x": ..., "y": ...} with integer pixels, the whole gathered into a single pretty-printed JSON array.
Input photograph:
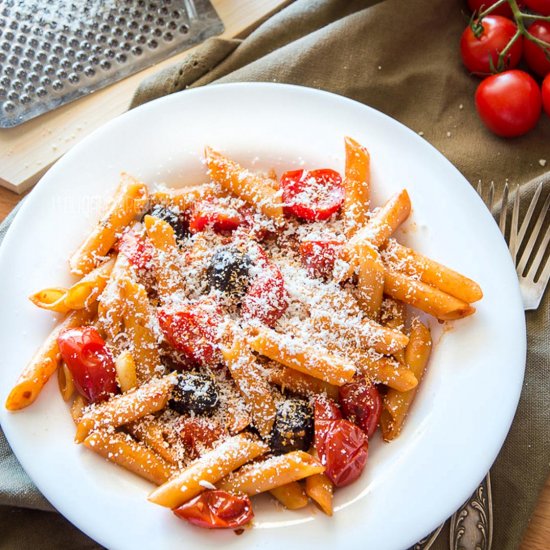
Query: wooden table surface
[{"x": 240, "y": 18}]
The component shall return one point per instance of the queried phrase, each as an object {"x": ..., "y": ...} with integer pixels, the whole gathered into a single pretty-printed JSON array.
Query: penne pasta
[
  {"x": 135, "y": 457},
  {"x": 291, "y": 495},
  {"x": 129, "y": 202},
  {"x": 370, "y": 279},
  {"x": 356, "y": 186},
  {"x": 127, "y": 407},
  {"x": 300, "y": 383},
  {"x": 397, "y": 403},
  {"x": 65, "y": 382},
  {"x": 77, "y": 408},
  {"x": 410, "y": 262},
  {"x": 271, "y": 473},
  {"x": 126, "y": 371},
  {"x": 182, "y": 199},
  {"x": 208, "y": 470},
  {"x": 43, "y": 364},
  {"x": 138, "y": 323},
  {"x": 386, "y": 370},
  {"x": 320, "y": 489},
  {"x": 252, "y": 386},
  {"x": 297, "y": 355},
  {"x": 78, "y": 296},
  {"x": 425, "y": 297},
  {"x": 250, "y": 187},
  {"x": 150, "y": 432}
]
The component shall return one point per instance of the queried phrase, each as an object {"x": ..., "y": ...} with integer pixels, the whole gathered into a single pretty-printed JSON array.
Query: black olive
[
  {"x": 194, "y": 392},
  {"x": 228, "y": 270},
  {"x": 170, "y": 217},
  {"x": 293, "y": 427}
]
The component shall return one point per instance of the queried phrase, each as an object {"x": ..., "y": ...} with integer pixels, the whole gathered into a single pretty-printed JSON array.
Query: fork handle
[{"x": 471, "y": 526}]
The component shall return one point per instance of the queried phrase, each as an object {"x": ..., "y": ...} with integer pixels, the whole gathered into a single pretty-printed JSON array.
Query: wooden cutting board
[{"x": 27, "y": 151}]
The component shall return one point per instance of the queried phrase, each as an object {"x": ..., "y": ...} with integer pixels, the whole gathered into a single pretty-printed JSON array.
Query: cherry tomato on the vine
[
  {"x": 546, "y": 94},
  {"x": 509, "y": 103},
  {"x": 90, "y": 362},
  {"x": 361, "y": 404},
  {"x": 482, "y": 5},
  {"x": 217, "y": 510},
  {"x": 312, "y": 194},
  {"x": 540, "y": 6},
  {"x": 535, "y": 56},
  {"x": 482, "y": 41}
]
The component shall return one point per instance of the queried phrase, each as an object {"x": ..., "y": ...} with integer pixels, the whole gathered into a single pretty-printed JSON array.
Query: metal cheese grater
[{"x": 55, "y": 51}]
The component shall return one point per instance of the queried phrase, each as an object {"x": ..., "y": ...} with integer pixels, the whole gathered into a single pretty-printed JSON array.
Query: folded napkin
[{"x": 403, "y": 59}]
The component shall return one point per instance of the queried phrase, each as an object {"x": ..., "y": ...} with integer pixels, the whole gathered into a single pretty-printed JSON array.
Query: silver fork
[{"x": 471, "y": 526}]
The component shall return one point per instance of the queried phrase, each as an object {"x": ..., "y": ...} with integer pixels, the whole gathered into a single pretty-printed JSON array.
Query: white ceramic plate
[{"x": 466, "y": 403}]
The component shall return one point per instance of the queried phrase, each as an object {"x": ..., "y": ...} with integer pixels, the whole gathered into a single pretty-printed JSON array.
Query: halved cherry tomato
[
  {"x": 319, "y": 257},
  {"x": 535, "y": 56},
  {"x": 324, "y": 412},
  {"x": 361, "y": 404},
  {"x": 312, "y": 194},
  {"x": 137, "y": 248},
  {"x": 480, "y": 50},
  {"x": 211, "y": 213},
  {"x": 191, "y": 329},
  {"x": 266, "y": 299},
  {"x": 546, "y": 94},
  {"x": 90, "y": 362},
  {"x": 217, "y": 510},
  {"x": 540, "y": 6},
  {"x": 198, "y": 434},
  {"x": 509, "y": 103},
  {"x": 344, "y": 452}
]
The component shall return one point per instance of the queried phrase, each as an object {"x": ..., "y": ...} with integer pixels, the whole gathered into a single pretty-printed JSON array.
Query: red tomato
[
  {"x": 319, "y": 257},
  {"x": 325, "y": 411},
  {"x": 217, "y": 510},
  {"x": 509, "y": 103},
  {"x": 535, "y": 56},
  {"x": 137, "y": 248},
  {"x": 266, "y": 299},
  {"x": 191, "y": 329},
  {"x": 540, "y": 6},
  {"x": 480, "y": 51},
  {"x": 361, "y": 404},
  {"x": 482, "y": 5},
  {"x": 198, "y": 434},
  {"x": 546, "y": 94},
  {"x": 312, "y": 194},
  {"x": 344, "y": 452},
  {"x": 90, "y": 362},
  {"x": 214, "y": 214}
]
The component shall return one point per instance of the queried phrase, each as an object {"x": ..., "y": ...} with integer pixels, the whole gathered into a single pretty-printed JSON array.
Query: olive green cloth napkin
[{"x": 403, "y": 59}]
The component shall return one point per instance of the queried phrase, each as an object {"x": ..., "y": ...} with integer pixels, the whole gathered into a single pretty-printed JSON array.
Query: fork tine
[
  {"x": 479, "y": 189},
  {"x": 490, "y": 201},
  {"x": 503, "y": 211},
  {"x": 539, "y": 256},
  {"x": 528, "y": 215},
  {"x": 532, "y": 241},
  {"x": 514, "y": 227}
]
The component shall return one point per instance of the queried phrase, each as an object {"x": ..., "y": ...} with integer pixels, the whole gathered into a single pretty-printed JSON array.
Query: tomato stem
[
  {"x": 502, "y": 55},
  {"x": 491, "y": 8}
]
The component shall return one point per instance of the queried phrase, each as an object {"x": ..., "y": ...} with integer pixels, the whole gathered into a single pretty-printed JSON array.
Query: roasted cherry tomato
[
  {"x": 312, "y": 194},
  {"x": 324, "y": 412},
  {"x": 509, "y": 103},
  {"x": 137, "y": 248},
  {"x": 482, "y": 5},
  {"x": 546, "y": 94},
  {"x": 211, "y": 213},
  {"x": 361, "y": 404},
  {"x": 198, "y": 434},
  {"x": 535, "y": 56},
  {"x": 540, "y": 6},
  {"x": 481, "y": 42},
  {"x": 217, "y": 510},
  {"x": 90, "y": 362},
  {"x": 191, "y": 329},
  {"x": 344, "y": 452},
  {"x": 266, "y": 299},
  {"x": 319, "y": 257}
]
